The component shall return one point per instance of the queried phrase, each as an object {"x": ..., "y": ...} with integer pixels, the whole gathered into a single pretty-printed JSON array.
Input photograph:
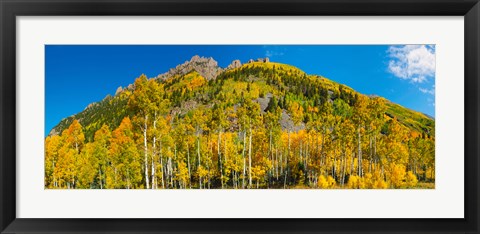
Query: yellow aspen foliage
[
  {"x": 326, "y": 182},
  {"x": 110, "y": 177},
  {"x": 52, "y": 145},
  {"x": 313, "y": 109},
  {"x": 182, "y": 174},
  {"x": 296, "y": 110},
  {"x": 430, "y": 173},
  {"x": 411, "y": 180},
  {"x": 380, "y": 184},
  {"x": 368, "y": 181},
  {"x": 196, "y": 81},
  {"x": 65, "y": 170},
  {"x": 258, "y": 174},
  {"x": 397, "y": 175},
  {"x": 378, "y": 181},
  {"x": 354, "y": 182},
  {"x": 87, "y": 167},
  {"x": 202, "y": 172},
  {"x": 125, "y": 156},
  {"x": 74, "y": 136}
]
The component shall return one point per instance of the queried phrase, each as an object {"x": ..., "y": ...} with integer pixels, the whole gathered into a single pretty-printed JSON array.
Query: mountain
[
  {"x": 260, "y": 124},
  {"x": 201, "y": 83},
  {"x": 206, "y": 67}
]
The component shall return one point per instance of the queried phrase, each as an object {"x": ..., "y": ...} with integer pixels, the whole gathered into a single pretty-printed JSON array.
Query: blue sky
[{"x": 77, "y": 75}]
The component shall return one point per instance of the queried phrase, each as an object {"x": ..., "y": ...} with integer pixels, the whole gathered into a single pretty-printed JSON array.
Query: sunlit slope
[{"x": 411, "y": 119}]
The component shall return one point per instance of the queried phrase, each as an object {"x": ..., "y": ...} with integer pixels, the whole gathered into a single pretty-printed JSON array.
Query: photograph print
[{"x": 239, "y": 117}]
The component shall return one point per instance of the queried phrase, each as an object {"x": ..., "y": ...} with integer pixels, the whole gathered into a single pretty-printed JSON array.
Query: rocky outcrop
[
  {"x": 119, "y": 90},
  {"x": 184, "y": 108},
  {"x": 263, "y": 101},
  {"x": 260, "y": 60},
  {"x": 235, "y": 64},
  {"x": 90, "y": 105},
  {"x": 263, "y": 60},
  {"x": 287, "y": 124},
  {"x": 54, "y": 132},
  {"x": 206, "y": 67}
]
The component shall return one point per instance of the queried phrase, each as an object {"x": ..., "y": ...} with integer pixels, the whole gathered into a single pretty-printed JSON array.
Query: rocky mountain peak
[
  {"x": 235, "y": 64},
  {"x": 206, "y": 67}
]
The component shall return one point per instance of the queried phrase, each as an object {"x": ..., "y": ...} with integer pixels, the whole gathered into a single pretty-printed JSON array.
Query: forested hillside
[{"x": 257, "y": 125}]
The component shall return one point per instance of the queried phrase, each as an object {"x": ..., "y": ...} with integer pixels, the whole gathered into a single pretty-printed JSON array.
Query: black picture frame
[{"x": 10, "y": 9}]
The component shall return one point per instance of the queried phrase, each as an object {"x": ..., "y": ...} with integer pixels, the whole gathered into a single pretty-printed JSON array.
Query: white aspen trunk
[
  {"x": 286, "y": 156},
  {"x": 161, "y": 165},
  {"x": 189, "y": 172},
  {"x": 225, "y": 156},
  {"x": 276, "y": 161},
  {"x": 286, "y": 162},
  {"x": 244, "y": 158},
  {"x": 352, "y": 168},
  {"x": 170, "y": 171},
  {"x": 100, "y": 173},
  {"x": 153, "y": 174},
  {"x": 198, "y": 151},
  {"x": 220, "y": 157},
  {"x": 281, "y": 163},
  {"x": 53, "y": 174},
  {"x": 300, "y": 151},
  {"x": 340, "y": 179},
  {"x": 146, "y": 151},
  {"x": 359, "y": 154},
  {"x": 208, "y": 174},
  {"x": 250, "y": 160},
  {"x": 154, "y": 152},
  {"x": 270, "y": 145},
  {"x": 271, "y": 155},
  {"x": 199, "y": 162},
  {"x": 321, "y": 151},
  {"x": 306, "y": 156},
  {"x": 174, "y": 166},
  {"x": 371, "y": 157},
  {"x": 334, "y": 169}
]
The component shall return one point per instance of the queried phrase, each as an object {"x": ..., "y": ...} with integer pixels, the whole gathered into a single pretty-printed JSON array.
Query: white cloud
[
  {"x": 271, "y": 53},
  {"x": 429, "y": 91},
  {"x": 273, "y": 50},
  {"x": 415, "y": 63}
]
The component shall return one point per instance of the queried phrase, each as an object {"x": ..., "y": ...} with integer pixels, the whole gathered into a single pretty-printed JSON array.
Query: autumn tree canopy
[{"x": 262, "y": 125}]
